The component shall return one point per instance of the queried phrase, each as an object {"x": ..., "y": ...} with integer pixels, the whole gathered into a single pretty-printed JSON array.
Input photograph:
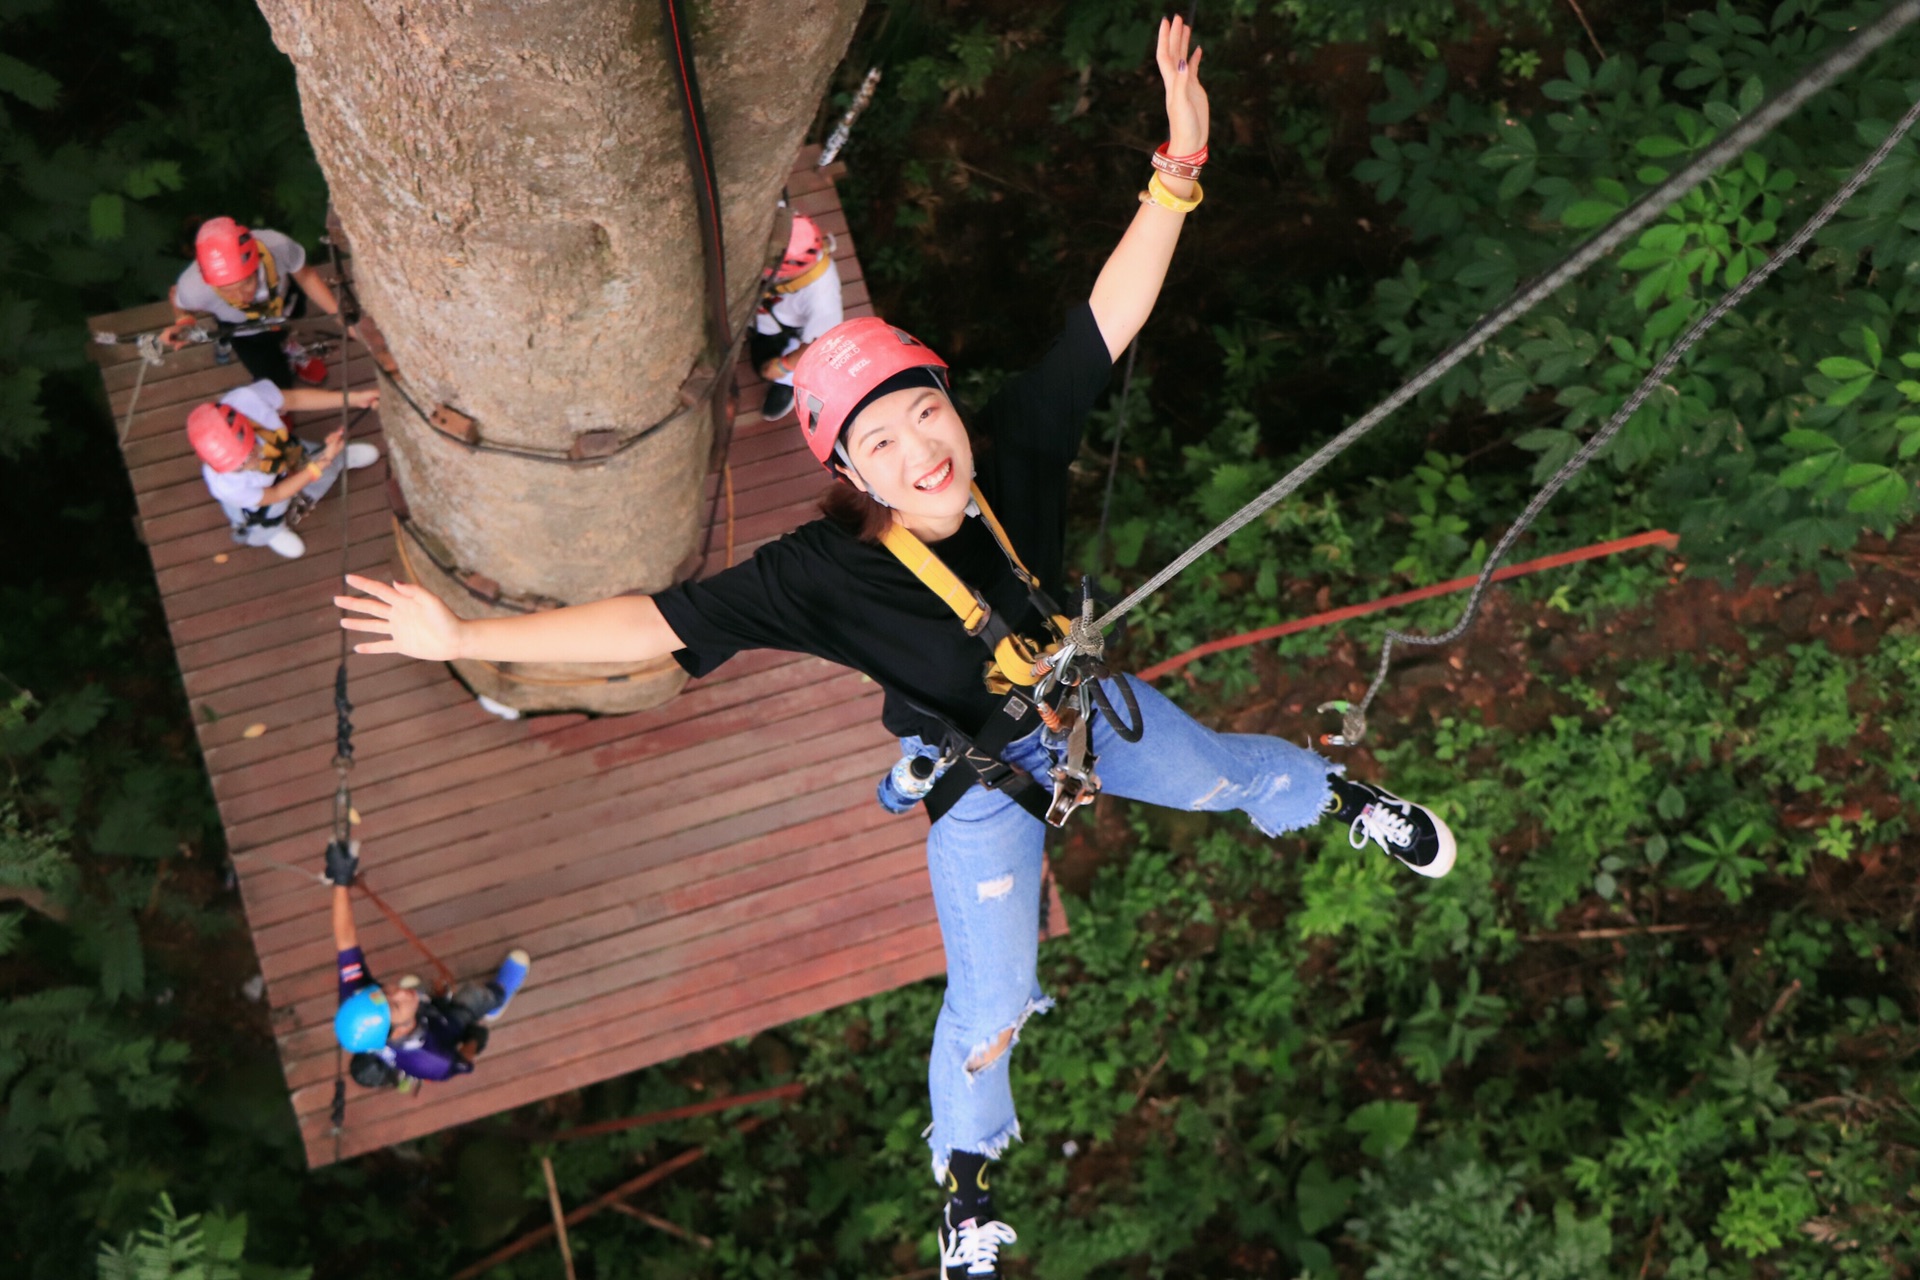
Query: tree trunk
[{"x": 514, "y": 182}]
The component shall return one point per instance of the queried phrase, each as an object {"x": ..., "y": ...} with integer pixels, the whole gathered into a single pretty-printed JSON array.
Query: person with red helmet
[
  {"x": 244, "y": 279},
  {"x": 802, "y": 302},
  {"x": 262, "y": 476},
  {"x": 927, "y": 573}
]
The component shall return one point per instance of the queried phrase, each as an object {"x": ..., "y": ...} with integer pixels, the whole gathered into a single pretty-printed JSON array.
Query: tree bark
[{"x": 514, "y": 182}]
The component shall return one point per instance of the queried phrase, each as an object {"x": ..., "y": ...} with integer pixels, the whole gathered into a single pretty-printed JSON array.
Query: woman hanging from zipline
[{"x": 907, "y": 548}]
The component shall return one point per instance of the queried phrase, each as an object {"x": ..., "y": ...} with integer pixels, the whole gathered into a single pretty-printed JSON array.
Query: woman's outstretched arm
[
  {"x": 1124, "y": 295},
  {"x": 412, "y": 620}
]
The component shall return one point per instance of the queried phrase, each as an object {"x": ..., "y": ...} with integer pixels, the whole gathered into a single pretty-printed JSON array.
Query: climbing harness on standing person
[
  {"x": 839, "y": 375},
  {"x": 1637, "y": 216}
]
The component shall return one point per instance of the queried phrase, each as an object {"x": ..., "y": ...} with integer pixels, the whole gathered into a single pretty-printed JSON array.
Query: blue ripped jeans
[{"x": 985, "y": 856}]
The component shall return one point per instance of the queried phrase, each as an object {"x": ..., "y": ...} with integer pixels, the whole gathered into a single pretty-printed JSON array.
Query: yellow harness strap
[
  {"x": 280, "y": 453},
  {"x": 275, "y": 304},
  {"x": 807, "y": 277},
  {"x": 1013, "y": 655}
]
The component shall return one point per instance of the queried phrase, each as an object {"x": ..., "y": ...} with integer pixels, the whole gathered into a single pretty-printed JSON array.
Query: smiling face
[{"x": 911, "y": 451}]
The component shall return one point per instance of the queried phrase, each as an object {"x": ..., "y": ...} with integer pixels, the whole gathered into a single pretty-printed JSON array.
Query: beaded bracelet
[{"x": 1157, "y": 193}]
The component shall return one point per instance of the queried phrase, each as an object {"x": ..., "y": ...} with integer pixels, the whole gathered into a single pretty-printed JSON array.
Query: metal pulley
[{"x": 1077, "y": 666}]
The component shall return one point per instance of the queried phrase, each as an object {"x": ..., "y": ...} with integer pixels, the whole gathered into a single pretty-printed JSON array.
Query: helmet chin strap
[{"x": 840, "y": 452}]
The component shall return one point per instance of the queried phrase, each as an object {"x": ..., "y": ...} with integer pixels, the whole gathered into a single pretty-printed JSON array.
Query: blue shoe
[{"x": 512, "y": 976}]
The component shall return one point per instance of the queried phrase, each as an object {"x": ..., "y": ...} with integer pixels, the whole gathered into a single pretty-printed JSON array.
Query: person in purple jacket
[{"x": 400, "y": 1036}]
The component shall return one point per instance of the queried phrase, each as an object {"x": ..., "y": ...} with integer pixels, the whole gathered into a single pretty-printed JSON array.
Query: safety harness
[
  {"x": 1037, "y": 686},
  {"x": 280, "y": 456},
  {"x": 274, "y": 308},
  {"x": 789, "y": 333}
]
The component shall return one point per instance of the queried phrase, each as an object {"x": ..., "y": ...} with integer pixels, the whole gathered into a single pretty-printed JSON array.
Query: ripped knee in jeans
[{"x": 988, "y": 1054}]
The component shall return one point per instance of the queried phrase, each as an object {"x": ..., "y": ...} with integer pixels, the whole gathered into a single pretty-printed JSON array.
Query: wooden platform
[{"x": 684, "y": 876}]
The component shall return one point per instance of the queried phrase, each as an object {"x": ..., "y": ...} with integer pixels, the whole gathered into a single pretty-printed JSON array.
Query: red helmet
[
  {"x": 221, "y": 435},
  {"x": 805, "y": 243},
  {"x": 226, "y": 251},
  {"x": 842, "y": 368}
]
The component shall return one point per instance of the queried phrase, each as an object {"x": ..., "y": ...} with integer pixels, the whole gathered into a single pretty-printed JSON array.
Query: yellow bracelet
[
  {"x": 1157, "y": 193},
  {"x": 315, "y": 469}
]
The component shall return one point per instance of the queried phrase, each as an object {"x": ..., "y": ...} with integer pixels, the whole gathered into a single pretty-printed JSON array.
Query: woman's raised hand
[
  {"x": 1186, "y": 100},
  {"x": 412, "y": 619}
]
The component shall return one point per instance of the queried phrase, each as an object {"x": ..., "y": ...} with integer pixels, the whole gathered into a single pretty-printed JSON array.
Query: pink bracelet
[{"x": 1198, "y": 157}]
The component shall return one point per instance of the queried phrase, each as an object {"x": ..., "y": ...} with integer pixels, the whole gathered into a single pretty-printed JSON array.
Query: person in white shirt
[
  {"x": 262, "y": 476},
  {"x": 802, "y": 302},
  {"x": 244, "y": 279}
]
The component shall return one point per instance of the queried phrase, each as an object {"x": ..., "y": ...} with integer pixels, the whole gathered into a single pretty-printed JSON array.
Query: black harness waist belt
[{"x": 979, "y": 761}]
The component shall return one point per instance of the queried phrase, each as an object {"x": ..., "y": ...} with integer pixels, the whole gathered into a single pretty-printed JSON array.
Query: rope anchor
[{"x": 1353, "y": 723}]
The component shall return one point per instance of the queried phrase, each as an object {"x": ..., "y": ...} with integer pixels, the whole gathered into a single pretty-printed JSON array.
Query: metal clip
[
  {"x": 1074, "y": 781},
  {"x": 1353, "y": 724}
]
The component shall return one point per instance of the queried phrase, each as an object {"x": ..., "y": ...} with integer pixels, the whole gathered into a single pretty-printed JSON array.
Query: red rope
[
  {"x": 1655, "y": 538},
  {"x": 446, "y": 974}
]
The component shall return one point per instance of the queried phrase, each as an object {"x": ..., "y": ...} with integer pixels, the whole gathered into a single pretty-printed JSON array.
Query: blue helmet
[{"x": 363, "y": 1021}]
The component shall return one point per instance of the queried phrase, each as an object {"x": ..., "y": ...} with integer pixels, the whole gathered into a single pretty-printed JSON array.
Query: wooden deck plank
[
  {"x": 287, "y": 838},
  {"x": 482, "y": 744},
  {"x": 490, "y": 839},
  {"x": 707, "y": 869}
]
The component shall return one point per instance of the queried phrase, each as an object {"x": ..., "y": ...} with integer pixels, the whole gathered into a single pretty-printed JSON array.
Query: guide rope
[
  {"x": 1631, "y": 220},
  {"x": 1354, "y": 726},
  {"x": 342, "y": 706},
  {"x": 152, "y": 354}
]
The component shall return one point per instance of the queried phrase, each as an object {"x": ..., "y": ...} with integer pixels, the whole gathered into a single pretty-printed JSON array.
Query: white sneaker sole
[{"x": 1442, "y": 861}]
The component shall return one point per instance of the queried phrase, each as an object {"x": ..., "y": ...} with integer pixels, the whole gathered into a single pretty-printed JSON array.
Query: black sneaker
[
  {"x": 971, "y": 1247},
  {"x": 1410, "y": 832},
  {"x": 779, "y": 402}
]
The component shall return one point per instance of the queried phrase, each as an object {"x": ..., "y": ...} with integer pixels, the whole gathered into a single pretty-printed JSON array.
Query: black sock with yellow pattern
[{"x": 967, "y": 1186}]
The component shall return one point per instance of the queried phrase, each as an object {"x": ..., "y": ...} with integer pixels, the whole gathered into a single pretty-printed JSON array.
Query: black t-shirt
[{"x": 820, "y": 590}]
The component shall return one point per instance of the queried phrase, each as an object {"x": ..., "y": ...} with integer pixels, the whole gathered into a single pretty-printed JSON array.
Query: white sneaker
[
  {"x": 361, "y": 455},
  {"x": 288, "y": 544},
  {"x": 500, "y": 709}
]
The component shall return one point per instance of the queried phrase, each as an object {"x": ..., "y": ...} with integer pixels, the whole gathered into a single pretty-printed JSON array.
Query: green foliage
[
  {"x": 1270, "y": 1057},
  {"x": 97, "y": 206},
  {"x": 196, "y": 1247},
  {"x": 1773, "y": 442},
  {"x": 71, "y": 1066},
  {"x": 1473, "y": 1221}
]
